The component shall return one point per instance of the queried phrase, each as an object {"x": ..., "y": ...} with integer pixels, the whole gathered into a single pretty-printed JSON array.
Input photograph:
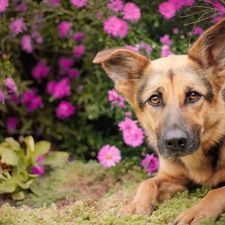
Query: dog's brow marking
[{"x": 171, "y": 74}]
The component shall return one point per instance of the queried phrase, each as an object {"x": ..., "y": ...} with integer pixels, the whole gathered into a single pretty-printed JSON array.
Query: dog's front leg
[
  {"x": 212, "y": 205},
  {"x": 151, "y": 191}
]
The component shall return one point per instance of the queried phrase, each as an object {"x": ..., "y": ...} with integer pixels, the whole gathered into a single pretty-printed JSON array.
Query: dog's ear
[
  {"x": 209, "y": 50},
  {"x": 124, "y": 67}
]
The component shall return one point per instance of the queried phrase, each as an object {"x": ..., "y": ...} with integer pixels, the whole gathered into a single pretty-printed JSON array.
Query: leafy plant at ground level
[{"x": 16, "y": 164}]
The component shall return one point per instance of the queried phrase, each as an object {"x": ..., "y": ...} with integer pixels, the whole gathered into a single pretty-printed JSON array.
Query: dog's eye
[
  {"x": 155, "y": 100},
  {"x": 193, "y": 96}
]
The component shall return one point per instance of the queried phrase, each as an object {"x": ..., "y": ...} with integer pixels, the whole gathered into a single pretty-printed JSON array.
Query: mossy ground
[{"x": 87, "y": 194}]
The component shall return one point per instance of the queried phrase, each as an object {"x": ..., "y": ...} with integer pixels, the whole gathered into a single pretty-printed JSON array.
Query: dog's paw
[
  {"x": 136, "y": 207},
  {"x": 193, "y": 215}
]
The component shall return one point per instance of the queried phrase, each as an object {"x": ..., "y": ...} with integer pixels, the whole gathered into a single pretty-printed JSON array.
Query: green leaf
[
  {"x": 36, "y": 189},
  {"x": 56, "y": 159},
  {"x": 41, "y": 148},
  {"x": 13, "y": 143},
  {"x": 8, "y": 186},
  {"x": 18, "y": 195},
  {"x": 21, "y": 163},
  {"x": 25, "y": 185},
  {"x": 30, "y": 146},
  {"x": 8, "y": 156}
]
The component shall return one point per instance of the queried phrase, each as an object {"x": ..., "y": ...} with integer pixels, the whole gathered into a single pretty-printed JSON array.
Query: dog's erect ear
[
  {"x": 122, "y": 64},
  {"x": 125, "y": 67},
  {"x": 209, "y": 50}
]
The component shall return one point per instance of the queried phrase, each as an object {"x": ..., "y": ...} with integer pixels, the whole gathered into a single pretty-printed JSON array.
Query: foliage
[
  {"x": 91, "y": 122},
  {"x": 16, "y": 164}
]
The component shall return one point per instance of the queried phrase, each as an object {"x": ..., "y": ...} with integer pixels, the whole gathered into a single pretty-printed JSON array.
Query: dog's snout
[{"x": 175, "y": 140}]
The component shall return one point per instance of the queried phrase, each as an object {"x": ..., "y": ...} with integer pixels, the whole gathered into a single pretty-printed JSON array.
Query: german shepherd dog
[{"x": 180, "y": 102}]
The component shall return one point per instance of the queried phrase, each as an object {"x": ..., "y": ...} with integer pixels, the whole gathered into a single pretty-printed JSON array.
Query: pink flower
[
  {"x": 166, "y": 51},
  {"x": 115, "y": 5},
  {"x": 145, "y": 46},
  {"x": 26, "y": 44},
  {"x": 40, "y": 70},
  {"x": 167, "y": 9},
  {"x": 11, "y": 85},
  {"x": 64, "y": 110},
  {"x": 128, "y": 114},
  {"x": 38, "y": 38},
  {"x": 31, "y": 101},
  {"x": 166, "y": 40},
  {"x": 79, "y": 3},
  {"x": 115, "y": 26},
  {"x": 188, "y": 2},
  {"x": 62, "y": 88},
  {"x": 79, "y": 51},
  {"x": 130, "y": 47},
  {"x": 3, "y": 5},
  {"x": 131, "y": 12},
  {"x": 73, "y": 73},
  {"x": 21, "y": 7},
  {"x": 115, "y": 99},
  {"x": 14, "y": 98},
  {"x": 2, "y": 96},
  {"x": 98, "y": 15},
  {"x": 132, "y": 134},
  {"x": 12, "y": 123},
  {"x": 175, "y": 30},
  {"x": 52, "y": 3},
  {"x": 40, "y": 158},
  {"x": 150, "y": 163},
  {"x": 108, "y": 156},
  {"x": 39, "y": 169},
  {"x": 63, "y": 28},
  {"x": 51, "y": 87},
  {"x": 198, "y": 30},
  {"x": 80, "y": 88},
  {"x": 78, "y": 36},
  {"x": 18, "y": 26},
  {"x": 65, "y": 62}
]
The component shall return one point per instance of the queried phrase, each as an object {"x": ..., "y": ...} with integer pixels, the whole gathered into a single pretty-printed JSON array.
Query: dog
[{"x": 180, "y": 102}]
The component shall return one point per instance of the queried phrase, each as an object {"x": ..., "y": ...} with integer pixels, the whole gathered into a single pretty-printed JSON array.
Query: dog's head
[{"x": 177, "y": 99}]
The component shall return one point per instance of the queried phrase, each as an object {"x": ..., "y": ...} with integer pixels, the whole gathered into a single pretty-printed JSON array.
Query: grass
[{"x": 87, "y": 194}]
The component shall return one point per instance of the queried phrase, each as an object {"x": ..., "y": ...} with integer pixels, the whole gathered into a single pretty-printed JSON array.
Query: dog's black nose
[{"x": 175, "y": 140}]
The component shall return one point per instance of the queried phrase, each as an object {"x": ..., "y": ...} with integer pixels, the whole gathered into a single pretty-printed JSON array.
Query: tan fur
[{"x": 202, "y": 70}]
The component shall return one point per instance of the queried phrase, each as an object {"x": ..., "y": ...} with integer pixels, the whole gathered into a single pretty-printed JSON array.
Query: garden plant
[{"x": 61, "y": 116}]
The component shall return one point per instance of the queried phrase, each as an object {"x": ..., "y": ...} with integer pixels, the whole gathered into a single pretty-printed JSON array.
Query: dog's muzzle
[{"x": 177, "y": 142}]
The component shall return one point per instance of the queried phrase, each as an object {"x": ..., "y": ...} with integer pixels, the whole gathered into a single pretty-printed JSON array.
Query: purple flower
[
  {"x": 38, "y": 38},
  {"x": 130, "y": 47},
  {"x": 145, "y": 46},
  {"x": 62, "y": 88},
  {"x": 2, "y": 96},
  {"x": 20, "y": 6},
  {"x": 65, "y": 62},
  {"x": 115, "y": 5},
  {"x": 12, "y": 123},
  {"x": 73, "y": 73},
  {"x": 51, "y": 87},
  {"x": 115, "y": 26},
  {"x": 39, "y": 169},
  {"x": 79, "y": 51},
  {"x": 175, "y": 30},
  {"x": 64, "y": 27},
  {"x": 40, "y": 70},
  {"x": 167, "y": 9},
  {"x": 79, "y": 3},
  {"x": 40, "y": 158},
  {"x": 150, "y": 163},
  {"x": 11, "y": 85},
  {"x": 78, "y": 36},
  {"x": 64, "y": 110},
  {"x": 131, "y": 12},
  {"x": 198, "y": 30},
  {"x": 14, "y": 98},
  {"x": 31, "y": 101},
  {"x": 108, "y": 156},
  {"x": 166, "y": 51},
  {"x": 18, "y": 26},
  {"x": 52, "y": 3},
  {"x": 3, "y": 5},
  {"x": 26, "y": 44}
]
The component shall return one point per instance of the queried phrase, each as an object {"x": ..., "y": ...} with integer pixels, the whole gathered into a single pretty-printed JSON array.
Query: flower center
[{"x": 109, "y": 157}]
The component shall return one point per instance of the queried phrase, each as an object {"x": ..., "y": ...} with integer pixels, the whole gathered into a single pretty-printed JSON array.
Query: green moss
[{"x": 68, "y": 183}]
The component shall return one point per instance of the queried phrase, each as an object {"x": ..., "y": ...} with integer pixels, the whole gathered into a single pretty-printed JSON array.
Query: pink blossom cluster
[
  {"x": 20, "y": 5},
  {"x": 166, "y": 47},
  {"x": 108, "y": 156},
  {"x": 39, "y": 168},
  {"x": 11, "y": 89},
  {"x": 64, "y": 110},
  {"x": 150, "y": 164},
  {"x": 40, "y": 70},
  {"x": 3, "y": 5},
  {"x": 66, "y": 64},
  {"x": 116, "y": 26},
  {"x": 139, "y": 47},
  {"x": 11, "y": 123},
  {"x": 132, "y": 134},
  {"x": 31, "y": 100},
  {"x": 17, "y": 26},
  {"x": 115, "y": 99},
  {"x": 169, "y": 9}
]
